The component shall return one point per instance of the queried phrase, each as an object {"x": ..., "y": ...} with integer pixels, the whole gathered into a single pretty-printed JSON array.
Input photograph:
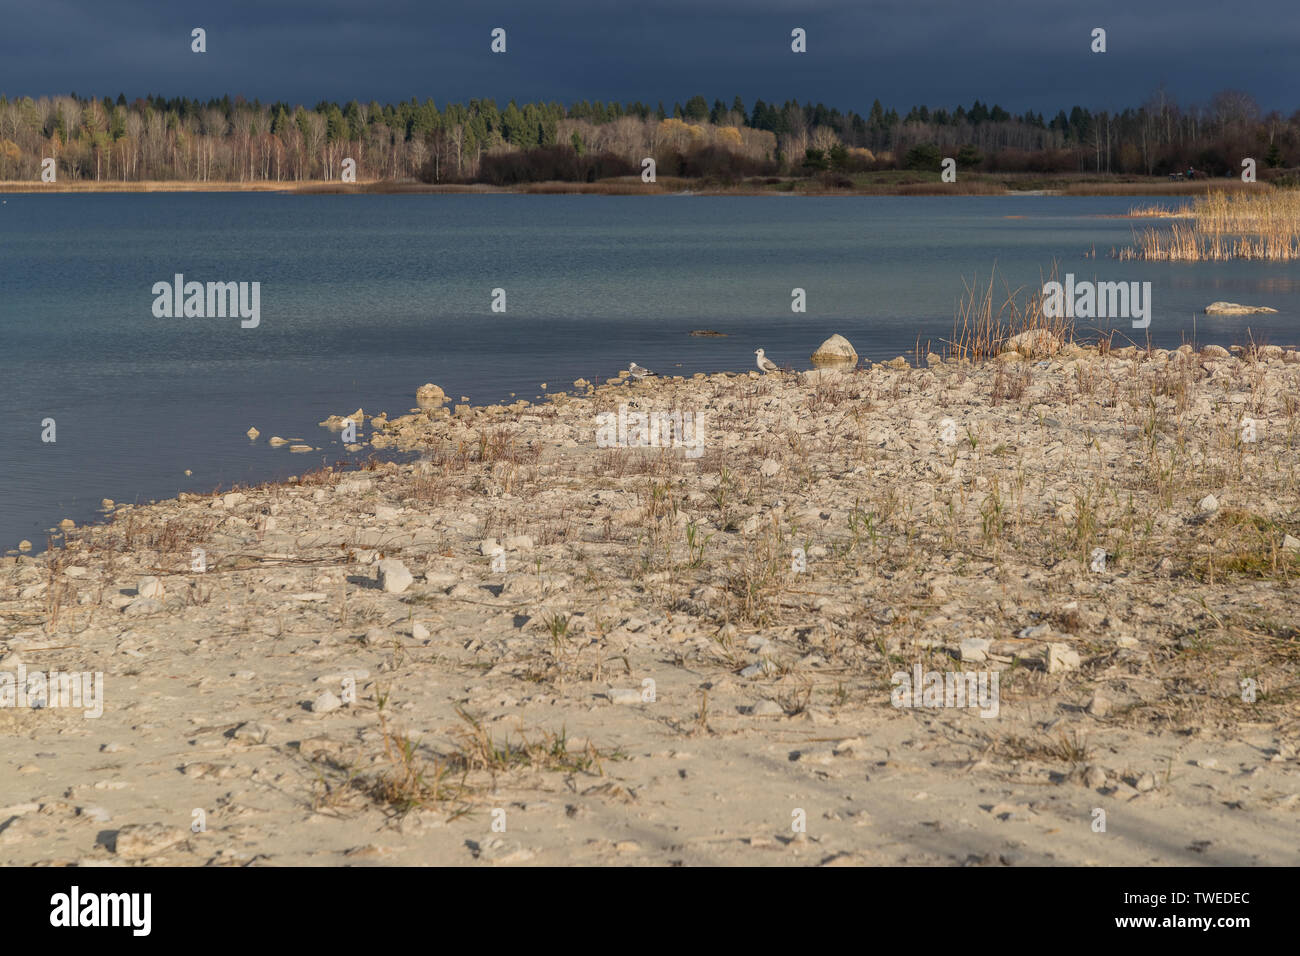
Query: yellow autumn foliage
[
  {"x": 729, "y": 137},
  {"x": 675, "y": 129}
]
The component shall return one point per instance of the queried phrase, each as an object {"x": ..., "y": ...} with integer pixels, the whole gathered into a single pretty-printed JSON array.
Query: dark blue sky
[{"x": 1023, "y": 54}]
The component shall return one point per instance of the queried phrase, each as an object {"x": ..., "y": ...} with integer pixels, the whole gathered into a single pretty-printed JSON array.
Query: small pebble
[
  {"x": 149, "y": 587},
  {"x": 394, "y": 577},
  {"x": 325, "y": 703},
  {"x": 1099, "y": 706}
]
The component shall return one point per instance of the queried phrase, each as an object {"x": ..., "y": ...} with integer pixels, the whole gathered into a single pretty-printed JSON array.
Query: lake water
[{"x": 363, "y": 298}]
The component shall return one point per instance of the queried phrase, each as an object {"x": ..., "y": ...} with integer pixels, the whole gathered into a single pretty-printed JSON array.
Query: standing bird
[
  {"x": 765, "y": 364},
  {"x": 638, "y": 373}
]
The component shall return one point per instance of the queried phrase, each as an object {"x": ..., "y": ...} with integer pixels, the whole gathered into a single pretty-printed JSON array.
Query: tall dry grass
[
  {"x": 1274, "y": 212},
  {"x": 966, "y": 187},
  {"x": 152, "y": 186},
  {"x": 1160, "y": 211},
  {"x": 622, "y": 186},
  {"x": 1193, "y": 187},
  {"x": 985, "y": 319},
  {"x": 1241, "y": 226}
]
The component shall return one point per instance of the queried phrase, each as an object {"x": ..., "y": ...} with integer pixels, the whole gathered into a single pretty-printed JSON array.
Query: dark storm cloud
[{"x": 1023, "y": 54}]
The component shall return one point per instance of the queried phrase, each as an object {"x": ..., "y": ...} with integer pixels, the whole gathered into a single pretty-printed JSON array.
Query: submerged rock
[
  {"x": 430, "y": 396},
  {"x": 1233, "y": 308},
  {"x": 336, "y": 422}
]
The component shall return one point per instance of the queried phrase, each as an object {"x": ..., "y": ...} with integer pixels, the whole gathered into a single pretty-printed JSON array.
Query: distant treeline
[{"x": 235, "y": 140}]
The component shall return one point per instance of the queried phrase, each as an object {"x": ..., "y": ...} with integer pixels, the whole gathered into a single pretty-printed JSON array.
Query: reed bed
[
  {"x": 147, "y": 186},
  {"x": 1252, "y": 226},
  {"x": 1159, "y": 211},
  {"x": 1271, "y": 213},
  {"x": 967, "y": 187},
  {"x": 631, "y": 186}
]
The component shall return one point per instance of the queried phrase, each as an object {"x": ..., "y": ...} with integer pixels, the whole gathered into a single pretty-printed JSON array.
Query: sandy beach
[{"x": 678, "y": 622}]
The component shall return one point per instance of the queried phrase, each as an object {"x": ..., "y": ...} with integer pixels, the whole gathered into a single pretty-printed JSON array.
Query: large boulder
[
  {"x": 837, "y": 350},
  {"x": 1034, "y": 343}
]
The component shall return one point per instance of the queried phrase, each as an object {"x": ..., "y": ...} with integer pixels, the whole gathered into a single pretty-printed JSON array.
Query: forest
[{"x": 235, "y": 140}]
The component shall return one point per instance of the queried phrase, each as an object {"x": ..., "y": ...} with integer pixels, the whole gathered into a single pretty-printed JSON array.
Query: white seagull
[
  {"x": 638, "y": 373},
  {"x": 765, "y": 364}
]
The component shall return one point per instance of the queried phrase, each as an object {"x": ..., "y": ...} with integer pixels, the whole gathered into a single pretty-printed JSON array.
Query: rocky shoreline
[{"x": 679, "y": 621}]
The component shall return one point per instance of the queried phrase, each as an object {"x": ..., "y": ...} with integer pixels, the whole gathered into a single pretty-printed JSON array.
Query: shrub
[
  {"x": 551, "y": 163},
  {"x": 968, "y": 157},
  {"x": 923, "y": 156},
  {"x": 814, "y": 159}
]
